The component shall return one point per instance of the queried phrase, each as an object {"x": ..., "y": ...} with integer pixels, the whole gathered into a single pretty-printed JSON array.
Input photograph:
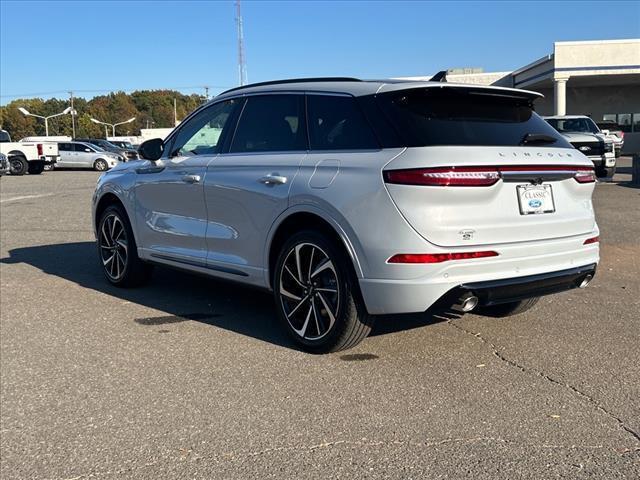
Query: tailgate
[{"x": 531, "y": 193}]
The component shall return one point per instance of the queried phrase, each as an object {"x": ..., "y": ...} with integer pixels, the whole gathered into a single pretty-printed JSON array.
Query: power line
[{"x": 104, "y": 90}]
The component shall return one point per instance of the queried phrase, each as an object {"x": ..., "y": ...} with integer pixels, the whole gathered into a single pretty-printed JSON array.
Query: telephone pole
[
  {"x": 242, "y": 65},
  {"x": 73, "y": 117}
]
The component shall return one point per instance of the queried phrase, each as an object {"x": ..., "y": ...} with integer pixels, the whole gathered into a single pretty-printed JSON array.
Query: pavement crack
[{"x": 498, "y": 354}]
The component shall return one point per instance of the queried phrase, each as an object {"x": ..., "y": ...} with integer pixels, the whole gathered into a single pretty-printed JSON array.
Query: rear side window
[
  {"x": 64, "y": 147},
  {"x": 271, "y": 123},
  {"x": 336, "y": 123},
  {"x": 451, "y": 116}
]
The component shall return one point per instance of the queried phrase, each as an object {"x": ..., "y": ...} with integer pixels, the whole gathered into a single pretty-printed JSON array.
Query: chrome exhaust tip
[
  {"x": 586, "y": 281},
  {"x": 469, "y": 303}
]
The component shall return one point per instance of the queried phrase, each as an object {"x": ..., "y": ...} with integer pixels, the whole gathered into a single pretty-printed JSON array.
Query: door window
[
  {"x": 202, "y": 134},
  {"x": 78, "y": 147},
  {"x": 271, "y": 123},
  {"x": 336, "y": 123},
  {"x": 64, "y": 147}
]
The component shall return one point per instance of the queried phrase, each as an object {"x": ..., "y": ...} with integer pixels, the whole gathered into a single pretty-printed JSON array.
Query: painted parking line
[{"x": 25, "y": 197}]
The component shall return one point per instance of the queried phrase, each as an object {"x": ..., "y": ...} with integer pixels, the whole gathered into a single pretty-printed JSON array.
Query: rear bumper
[
  {"x": 527, "y": 264},
  {"x": 520, "y": 288}
]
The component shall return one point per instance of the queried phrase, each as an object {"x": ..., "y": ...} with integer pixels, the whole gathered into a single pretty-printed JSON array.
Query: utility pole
[
  {"x": 242, "y": 66},
  {"x": 175, "y": 113},
  {"x": 73, "y": 117},
  {"x": 206, "y": 92}
]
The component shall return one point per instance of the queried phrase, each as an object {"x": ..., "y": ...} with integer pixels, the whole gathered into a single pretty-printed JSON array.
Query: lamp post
[
  {"x": 24, "y": 111},
  {"x": 112, "y": 125}
]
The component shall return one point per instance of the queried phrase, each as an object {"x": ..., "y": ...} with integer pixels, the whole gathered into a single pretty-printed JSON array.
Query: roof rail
[{"x": 295, "y": 80}]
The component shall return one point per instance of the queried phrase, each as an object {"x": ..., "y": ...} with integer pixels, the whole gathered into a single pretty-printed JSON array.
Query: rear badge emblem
[
  {"x": 535, "y": 203},
  {"x": 584, "y": 148},
  {"x": 467, "y": 234}
]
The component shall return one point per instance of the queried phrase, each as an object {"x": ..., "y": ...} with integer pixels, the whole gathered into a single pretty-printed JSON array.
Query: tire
[
  {"x": 605, "y": 172},
  {"x": 18, "y": 165},
  {"x": 36, "y": 168},
  {"x": 100, "y": 165},
  {"x": 117, "y": 250},
  {"x": 319, "y": 304},
  {"x": 508, "y": 309}
]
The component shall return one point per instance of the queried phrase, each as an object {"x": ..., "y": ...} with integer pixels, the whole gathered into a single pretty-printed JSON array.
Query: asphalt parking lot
[{"x": 192, "y": 378}]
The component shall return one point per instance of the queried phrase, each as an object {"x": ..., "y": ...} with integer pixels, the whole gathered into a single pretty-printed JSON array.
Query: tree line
[{"x": 152, "y": 109}]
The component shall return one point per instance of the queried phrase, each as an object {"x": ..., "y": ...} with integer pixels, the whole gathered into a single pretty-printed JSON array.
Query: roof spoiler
[{"x": 441, "y": 76}]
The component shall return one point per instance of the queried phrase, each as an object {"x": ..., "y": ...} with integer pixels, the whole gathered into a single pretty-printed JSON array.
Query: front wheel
[
  {"x": 101, "y": 165},
  {"x": 508, "y": 309},
  {"x": 118, "y": 251},
  {"x": 317, "y": 296}
]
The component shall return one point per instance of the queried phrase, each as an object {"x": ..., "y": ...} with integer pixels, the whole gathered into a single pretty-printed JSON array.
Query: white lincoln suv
[{"x": 350, "y": 199}]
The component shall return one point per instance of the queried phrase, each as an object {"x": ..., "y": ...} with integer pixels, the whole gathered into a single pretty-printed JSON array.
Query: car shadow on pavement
[{"x": 189, "y": 297}]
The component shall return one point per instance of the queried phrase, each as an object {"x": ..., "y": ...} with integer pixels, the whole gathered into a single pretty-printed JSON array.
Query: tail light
[
  {"x": 591, "y": 240},
  {"x": 438, "y": 257},
  {"x": 40, "y": 149},
  {"x": 585, "y": 176},
  {"x": 445, "y": 176},
  {"x": 481, "y": 176}
]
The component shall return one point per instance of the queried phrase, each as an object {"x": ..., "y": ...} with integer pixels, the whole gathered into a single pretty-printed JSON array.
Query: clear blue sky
[{"x": 92, "y": 46}]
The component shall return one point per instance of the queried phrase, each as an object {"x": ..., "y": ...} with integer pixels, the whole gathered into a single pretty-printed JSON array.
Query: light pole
[
  {"x": 46, "y": 119},
  {"x": 112, "y": 125}
]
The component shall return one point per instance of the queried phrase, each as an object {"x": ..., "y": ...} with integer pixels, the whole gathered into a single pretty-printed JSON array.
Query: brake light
[
  {"x": 445, "y": 176},
  {"x": 591, "y": 240},
  {"x": 438, "y": 257},
  {"x": 40, "y": 150}
]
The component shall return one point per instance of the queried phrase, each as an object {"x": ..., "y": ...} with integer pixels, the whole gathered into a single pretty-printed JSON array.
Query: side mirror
[
  {"x": 606, "y": 132},
  {"x": 87, "y": 150},
  {"x": 151, "y": 149}
]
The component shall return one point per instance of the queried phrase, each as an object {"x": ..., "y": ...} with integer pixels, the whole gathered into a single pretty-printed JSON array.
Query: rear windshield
[{"x": 452, "y": 116}]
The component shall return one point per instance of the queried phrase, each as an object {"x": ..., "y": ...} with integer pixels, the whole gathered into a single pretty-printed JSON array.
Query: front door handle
[
  {"x": 191, "y": 178},
  {"x": 273, "y": 179}
]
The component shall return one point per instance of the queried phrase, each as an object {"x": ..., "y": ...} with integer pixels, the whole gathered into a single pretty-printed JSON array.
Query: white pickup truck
[{"x": 27, "y": 157}]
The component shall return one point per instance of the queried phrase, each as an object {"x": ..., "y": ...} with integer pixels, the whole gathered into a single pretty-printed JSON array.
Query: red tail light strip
[
  {"x": 481, "y": 176},
  {"x": 438, "y": 257},
  {"x": 591, "y": 240}
]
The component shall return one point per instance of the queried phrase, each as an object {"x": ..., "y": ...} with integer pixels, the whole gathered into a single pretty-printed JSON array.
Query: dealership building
[{"x": 598, "y": 78}]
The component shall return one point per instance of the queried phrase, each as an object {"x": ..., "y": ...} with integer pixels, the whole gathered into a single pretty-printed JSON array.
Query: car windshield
[
  {"x": 573, "y": 125},
  {"x": 97, "y": 147}
]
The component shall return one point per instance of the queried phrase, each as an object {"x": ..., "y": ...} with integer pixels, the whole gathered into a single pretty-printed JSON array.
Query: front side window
[
  {"x": 466, "y": 116},
  {"x": 271, "y": 123},
  {"x": 336, "y": 123},
  {"x": 201, "y": 135},
  {"x": 78, "y": 147}
]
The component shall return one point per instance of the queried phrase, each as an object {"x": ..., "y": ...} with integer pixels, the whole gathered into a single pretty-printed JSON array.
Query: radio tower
[{"x": 242, "y": 66}]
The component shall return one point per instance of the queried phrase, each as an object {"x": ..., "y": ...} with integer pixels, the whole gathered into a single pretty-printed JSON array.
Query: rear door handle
[
  {"x": 191, "y": 178},
  {"x": 273, "y": 179}
]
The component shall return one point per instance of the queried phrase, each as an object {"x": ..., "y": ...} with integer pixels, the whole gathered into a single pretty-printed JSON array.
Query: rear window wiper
[{"x": 537, "y": 138}]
